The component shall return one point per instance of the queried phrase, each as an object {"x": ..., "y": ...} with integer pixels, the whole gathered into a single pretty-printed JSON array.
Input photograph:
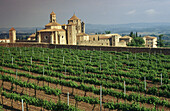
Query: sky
[{"x": 36, "y": 13}]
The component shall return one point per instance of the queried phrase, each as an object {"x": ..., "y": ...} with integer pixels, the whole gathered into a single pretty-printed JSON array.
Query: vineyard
[{"x": 41, "y": 79}]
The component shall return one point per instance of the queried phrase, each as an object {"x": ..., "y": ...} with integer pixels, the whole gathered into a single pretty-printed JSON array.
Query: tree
[
  {"x": 136, "y": 34},
  {"x": 107, "y": 32},
  {"x": 137, "y": 41},
  {"x": 131, "y": 34},
  {"x": 160, "y": 41}
]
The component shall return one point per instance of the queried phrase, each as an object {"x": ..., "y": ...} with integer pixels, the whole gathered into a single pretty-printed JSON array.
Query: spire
[
  {"x": 12, "y": 29},
  {"x": 74, "y": 17},
  {"x": 52, "y": 13}
]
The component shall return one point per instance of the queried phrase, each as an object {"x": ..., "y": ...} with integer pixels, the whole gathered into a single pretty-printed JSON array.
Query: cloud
[
  {"x": 131, "y": 12},
  {"x": 150, "y": 11}
]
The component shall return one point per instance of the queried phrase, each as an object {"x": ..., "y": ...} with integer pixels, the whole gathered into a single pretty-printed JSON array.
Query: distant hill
[
  {"x": 21, "y": 29},
  {"x": 141, "y": 28}
]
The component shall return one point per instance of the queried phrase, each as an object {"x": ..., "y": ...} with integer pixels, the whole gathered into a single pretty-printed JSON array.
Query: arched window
[{"x": 45, "y": 37}]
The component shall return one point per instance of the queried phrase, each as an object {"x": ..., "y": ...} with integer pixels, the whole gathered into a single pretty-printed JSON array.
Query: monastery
[{"x": 73, "y": 33}]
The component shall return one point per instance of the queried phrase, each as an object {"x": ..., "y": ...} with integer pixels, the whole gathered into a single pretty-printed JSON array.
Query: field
[{"x": 122, "y": 81}]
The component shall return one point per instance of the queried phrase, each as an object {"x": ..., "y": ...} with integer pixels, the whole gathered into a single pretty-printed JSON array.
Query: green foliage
[
  {"x": 49, "y": 105},
  {"x": 108, "y": 32},
  {"x": 125, "y": 107},
  {"x": 133, "y": 35},
  {"x": 160, "y": 42},
  {"x": 1, "y": 108},
  {"x": 137, "y": 41},
  {"x": 116, "y": 67}
]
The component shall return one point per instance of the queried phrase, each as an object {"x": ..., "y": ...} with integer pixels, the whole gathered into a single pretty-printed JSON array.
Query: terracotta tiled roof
[
  {"x": 52, "y": 13},
  {"x": 150, "y": 37},
  {"x": 12, "y": 29},
  {"x": 4, "y": 39},
  {"x": 74, "y": 17},
  {"x": 126, "y": 37},
  {"x": 53, "y": 24},
  {"x": 32, "y": 35},
  {"x": 50, "y": 30},
  {"x": 79, "y": 34},
  {"x": 105, "y": 37}
]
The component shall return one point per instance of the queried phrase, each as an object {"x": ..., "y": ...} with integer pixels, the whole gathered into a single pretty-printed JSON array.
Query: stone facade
[
  {"x": 71, "y": 34},
  {"x": 32, "y": 37},
  {"x": 4, "y": 40},
  {"x": 54, "y": 33},
  {"x": 103, "y": 40},
  {"x": 82, "y": 37},
  {"x": 150, "y": 41},
  {"x": 127, "y": 39}
]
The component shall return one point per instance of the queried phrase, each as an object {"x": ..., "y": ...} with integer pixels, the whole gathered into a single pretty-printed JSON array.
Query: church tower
[
  {"x": 71, "y": 34},
  {"x": 52, "y": 17},
  {"x": 73, "y": 28},
  {"x": 12, "y": 35},
  {"x": 75, "y": 20}
]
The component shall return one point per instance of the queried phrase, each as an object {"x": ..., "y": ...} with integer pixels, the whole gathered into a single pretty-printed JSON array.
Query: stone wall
[
  {"x": 121, "y": 44},
  {"x": 165, "y": 51}
]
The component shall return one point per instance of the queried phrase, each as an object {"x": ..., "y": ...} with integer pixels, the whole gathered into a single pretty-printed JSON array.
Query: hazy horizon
[{"x": 35, "y": 13}]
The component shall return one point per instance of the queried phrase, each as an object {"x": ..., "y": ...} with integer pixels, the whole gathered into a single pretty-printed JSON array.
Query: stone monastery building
[
  {"x": 73, "y": 33},
  {"x": 55, "y": 33}
]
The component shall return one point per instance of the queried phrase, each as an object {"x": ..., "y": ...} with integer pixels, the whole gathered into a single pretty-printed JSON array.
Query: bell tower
[{"x": 52, "y": 17}]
